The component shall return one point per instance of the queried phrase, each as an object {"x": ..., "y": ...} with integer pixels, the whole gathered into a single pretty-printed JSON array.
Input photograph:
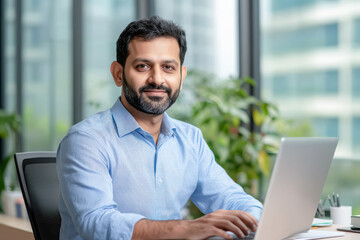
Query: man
[{"x": 127, "y": 172}]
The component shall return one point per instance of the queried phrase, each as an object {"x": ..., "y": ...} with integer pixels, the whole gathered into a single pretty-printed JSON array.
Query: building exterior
[{"x": 311, "y": 65}]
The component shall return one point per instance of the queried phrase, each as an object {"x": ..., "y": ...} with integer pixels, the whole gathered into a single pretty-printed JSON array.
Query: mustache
[{"x": 156, "y": 87}]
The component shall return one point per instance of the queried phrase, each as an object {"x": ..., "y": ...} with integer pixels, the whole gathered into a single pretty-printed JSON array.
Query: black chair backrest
[{"x": 40, "y": 188}]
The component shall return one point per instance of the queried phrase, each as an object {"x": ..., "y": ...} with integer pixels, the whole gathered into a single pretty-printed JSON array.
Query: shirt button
[{"x": 160, "y": 180}]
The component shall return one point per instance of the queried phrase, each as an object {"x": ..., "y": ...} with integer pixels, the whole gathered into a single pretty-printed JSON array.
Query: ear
[
  {"x": 183, "y": 75},
  {"x": 116, "y": 70}
]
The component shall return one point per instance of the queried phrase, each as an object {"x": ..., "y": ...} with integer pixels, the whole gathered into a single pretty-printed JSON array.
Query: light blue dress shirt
[{"x": 112, "y": 174}]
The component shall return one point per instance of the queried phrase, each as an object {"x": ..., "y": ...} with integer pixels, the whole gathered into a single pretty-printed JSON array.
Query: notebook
[{"x": 296, "y": 183}]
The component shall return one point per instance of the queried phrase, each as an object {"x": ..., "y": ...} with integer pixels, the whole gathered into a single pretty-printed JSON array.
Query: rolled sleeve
[{"x": 86, "y": 191}]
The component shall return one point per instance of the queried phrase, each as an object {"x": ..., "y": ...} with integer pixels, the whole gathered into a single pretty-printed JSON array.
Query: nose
[{"x": 156, "y": 77}]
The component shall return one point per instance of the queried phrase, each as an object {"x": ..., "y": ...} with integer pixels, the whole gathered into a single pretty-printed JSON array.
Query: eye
[
  {"x": 168, "y": 68},
  {"x": 142, "y": 67}
]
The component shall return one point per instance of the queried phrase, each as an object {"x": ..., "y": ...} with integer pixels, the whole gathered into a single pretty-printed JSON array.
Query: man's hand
[
  {"x": 213, "y": 224},
  {"x": 217, "y": 223}
]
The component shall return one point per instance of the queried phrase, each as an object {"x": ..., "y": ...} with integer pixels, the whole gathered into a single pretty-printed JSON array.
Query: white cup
[{"x": 341, "y": 215}]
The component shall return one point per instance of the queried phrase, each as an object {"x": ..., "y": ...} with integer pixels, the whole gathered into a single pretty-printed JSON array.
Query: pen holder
[{"x": 341, "y": 215}]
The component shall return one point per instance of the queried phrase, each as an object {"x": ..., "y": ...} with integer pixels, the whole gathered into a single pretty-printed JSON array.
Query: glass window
[
  {"x": 310, "y": 70},
  {"x": 46, "y": 67},
  {"x": 356, "y": 134},
  {"x": 326, "y": 127},
  {"x": 356, "y": 82},
  {"x": 343, "y": 178},
  {"x": 103, "y": 22},
  {"x": 212, "y": 38},
  {"x": 304, "y": 38},
  {"x": 356, "y": 33},
  {"x": 284, "y": 5},
  {"x": 9, "y": 66},
  {"x": 305, "y": 84},
  {"x": 9, "y": 63},
  {"x": 211, "y": 33}
]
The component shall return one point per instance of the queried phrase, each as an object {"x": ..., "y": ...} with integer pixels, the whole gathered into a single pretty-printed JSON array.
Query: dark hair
[{"x": 147, "y": 29}]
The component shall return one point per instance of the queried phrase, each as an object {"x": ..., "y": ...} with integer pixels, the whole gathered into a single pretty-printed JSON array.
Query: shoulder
[
  {"x": 97, "y": 126},
  {"x": 88, "y": 137}
]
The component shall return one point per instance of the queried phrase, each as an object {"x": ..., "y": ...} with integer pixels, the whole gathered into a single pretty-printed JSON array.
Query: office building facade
[{"x": 310, "y": 66}]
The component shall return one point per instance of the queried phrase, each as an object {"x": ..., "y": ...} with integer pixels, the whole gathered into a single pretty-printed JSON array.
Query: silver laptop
[{"x": 296, "y": 184}]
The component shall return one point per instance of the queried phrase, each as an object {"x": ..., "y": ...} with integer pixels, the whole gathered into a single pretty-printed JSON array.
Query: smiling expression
[{"x": 153, "y": 75}]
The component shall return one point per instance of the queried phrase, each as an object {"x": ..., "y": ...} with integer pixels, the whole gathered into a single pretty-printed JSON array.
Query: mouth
[{"x": 155, "y": 92}]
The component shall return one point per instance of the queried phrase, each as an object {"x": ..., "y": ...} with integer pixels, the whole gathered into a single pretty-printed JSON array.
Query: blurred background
[{"x": 303, "y": 55}]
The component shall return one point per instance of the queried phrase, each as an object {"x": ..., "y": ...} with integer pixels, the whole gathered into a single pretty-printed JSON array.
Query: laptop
[{"x": 296, "y": 184}]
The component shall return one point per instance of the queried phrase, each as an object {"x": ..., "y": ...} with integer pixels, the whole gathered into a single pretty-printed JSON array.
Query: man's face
[{"x": 152, "y": 78}]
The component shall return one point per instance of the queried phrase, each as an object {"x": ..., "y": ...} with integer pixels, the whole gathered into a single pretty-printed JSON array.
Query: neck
[{"x": 148, "y": 122}]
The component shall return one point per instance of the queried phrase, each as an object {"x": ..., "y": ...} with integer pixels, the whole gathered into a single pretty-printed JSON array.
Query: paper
[
  {"x": 319, "y": 222},
  {"x": 316, "y": 234}
]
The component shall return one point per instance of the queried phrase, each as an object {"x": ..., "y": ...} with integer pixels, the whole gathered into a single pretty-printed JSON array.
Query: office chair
[{"x": 40, "y": 188}]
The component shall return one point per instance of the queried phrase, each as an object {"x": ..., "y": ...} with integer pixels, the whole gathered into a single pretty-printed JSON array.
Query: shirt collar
[
  {"x": 125, "y": 122},
  {"x": 167, "y": 126}
]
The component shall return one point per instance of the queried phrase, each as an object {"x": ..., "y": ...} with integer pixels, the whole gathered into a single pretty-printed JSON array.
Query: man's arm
[
  {"x": 213, "y": 224},
  {"x": 216, "y": 190},
  {"x": 87, "y": 191}
]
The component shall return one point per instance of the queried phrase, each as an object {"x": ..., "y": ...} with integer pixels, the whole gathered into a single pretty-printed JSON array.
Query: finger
[
  {"x": 234, "y": 225},
  {"x": 221, "y": 233},
  {"x": 240, "y": 224},
  {"x": 242, "y": 219},
  {"x": 242, "y": 213},
  {"x": 247, "y": 219},
  {"x": 255, "y": 222}
]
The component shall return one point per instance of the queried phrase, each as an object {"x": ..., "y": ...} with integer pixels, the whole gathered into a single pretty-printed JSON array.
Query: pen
[
  {"x": 321, "y": 208},
  {"x": 334, "y": 199},
  {"x": 331, "y": 204},
  {"x": 338, "y": 200}
]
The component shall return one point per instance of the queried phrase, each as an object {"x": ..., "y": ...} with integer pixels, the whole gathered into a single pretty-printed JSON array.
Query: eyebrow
[{"x": 149, "y": 61}]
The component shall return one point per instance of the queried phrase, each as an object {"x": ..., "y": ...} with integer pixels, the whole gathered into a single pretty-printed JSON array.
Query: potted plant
[{"x": 9, "y": 125}]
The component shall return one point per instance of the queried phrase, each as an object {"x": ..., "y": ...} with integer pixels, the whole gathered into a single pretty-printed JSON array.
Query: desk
[
  {"x": 15, "y": 228},
  {"x": 348, "y": 235},
  {"x": 20, "y": 229}
]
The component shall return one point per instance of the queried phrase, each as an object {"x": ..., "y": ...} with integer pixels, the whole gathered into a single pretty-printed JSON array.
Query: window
[
  {"x": 356, "y": 33},
  {"x": 356, "y": 82},
  {"x": 46, "y": 75},
  {"x": 310, "y": 70},
  {"x": 9, "y": 64},
  {"x": 356, "y": 134},
  {"x": 103, "y": 22},
  {"x": 284, "y": 5},
  {"x": 212, "y": 48},
  {"x": 326, "y": 127},
  {"x": 305, "y": 38},
  {"x": 305, "y": 84}
]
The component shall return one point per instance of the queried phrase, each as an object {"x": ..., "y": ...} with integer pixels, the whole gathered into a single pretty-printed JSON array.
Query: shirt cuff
[{"x": 127, "y": 224}]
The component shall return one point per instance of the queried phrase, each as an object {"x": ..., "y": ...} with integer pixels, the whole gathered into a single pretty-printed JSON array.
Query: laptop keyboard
[{"x": 248, "y": 237}]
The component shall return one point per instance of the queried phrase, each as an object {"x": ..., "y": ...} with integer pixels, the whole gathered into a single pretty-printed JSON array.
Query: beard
[{"x": 152, "y": 105}]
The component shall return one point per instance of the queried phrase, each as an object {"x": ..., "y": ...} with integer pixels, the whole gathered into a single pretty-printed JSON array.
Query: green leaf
[
  {"x": 258, "y": 117},
  {"x": 264, "y": 162},
  {"x": 250, "y": 81}
]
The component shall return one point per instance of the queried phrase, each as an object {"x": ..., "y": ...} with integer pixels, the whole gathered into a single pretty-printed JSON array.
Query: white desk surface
[{"x": 348, "y": 235}]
